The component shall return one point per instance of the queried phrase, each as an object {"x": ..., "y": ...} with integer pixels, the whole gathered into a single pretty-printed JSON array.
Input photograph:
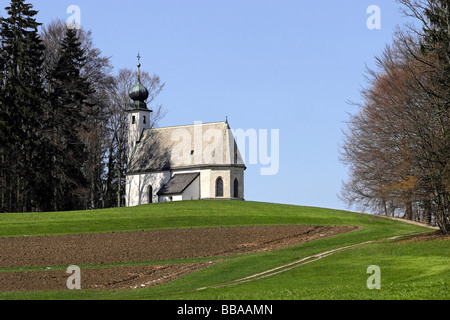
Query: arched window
[
  {"x": 150, "y": 194},
  {"x": 219, "y": 187},
  {"x": 236, "y": 188}
]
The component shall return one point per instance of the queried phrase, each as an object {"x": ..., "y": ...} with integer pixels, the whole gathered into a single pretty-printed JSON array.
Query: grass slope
[{"x": 409, "y": 270}]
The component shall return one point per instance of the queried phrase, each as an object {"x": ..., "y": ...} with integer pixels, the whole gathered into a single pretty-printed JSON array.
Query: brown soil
[
  {"x": 139, "y": 246},
  {"x": 135, "y": 277}
]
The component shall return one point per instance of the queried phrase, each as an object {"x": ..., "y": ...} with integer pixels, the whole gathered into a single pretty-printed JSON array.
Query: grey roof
[
  {"x": 178, "y": 183},
  {"x": 159, "y": 148}
]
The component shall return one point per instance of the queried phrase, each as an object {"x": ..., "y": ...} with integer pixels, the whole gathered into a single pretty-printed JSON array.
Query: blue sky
[{"x": 290, "y": 65}]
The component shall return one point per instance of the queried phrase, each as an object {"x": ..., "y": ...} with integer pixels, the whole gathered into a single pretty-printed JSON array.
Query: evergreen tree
[
  {"x": 22, "y": 103},
  {"x": 70, "y": 108},
  {"x": 97, "y": 70},
  {"x": 436, "y": 40},
  {"x": 435, "y": 45}
]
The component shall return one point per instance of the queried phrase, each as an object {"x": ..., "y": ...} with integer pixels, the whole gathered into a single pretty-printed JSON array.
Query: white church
[{"x": 187, "y": 162}]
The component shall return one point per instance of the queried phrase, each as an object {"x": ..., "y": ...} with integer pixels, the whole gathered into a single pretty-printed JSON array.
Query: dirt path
[
  {"x": 139, "y": 246},
  {"x": 303, "y": 261},
  {"x": 410, "y": 222}
]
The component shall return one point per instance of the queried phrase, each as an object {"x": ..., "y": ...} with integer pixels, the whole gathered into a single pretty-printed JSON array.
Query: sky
[{"x": 286, "y": 66}]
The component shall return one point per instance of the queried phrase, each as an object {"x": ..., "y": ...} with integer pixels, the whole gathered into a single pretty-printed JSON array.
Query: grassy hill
[{"x": 409, "y": 269}]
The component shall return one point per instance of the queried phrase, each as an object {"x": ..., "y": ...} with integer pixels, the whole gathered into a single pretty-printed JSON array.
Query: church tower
[{"x": 138, "y": 114}]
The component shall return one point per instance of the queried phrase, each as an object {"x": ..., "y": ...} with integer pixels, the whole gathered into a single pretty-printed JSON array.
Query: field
[{"x": 219, "y": 250}]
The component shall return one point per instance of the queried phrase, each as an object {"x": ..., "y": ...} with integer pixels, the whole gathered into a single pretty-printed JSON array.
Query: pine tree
[
  {"x": 22, "y": 103},
  {"x": 436, "y": 40},
  {"x": 70, "y": 109},
  {"x": 436, "y": 46}
]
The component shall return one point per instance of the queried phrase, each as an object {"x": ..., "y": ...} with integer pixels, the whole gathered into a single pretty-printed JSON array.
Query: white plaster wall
[
  {"x": 163, "y": 199},
  {"x": 169, "y": 198},
  {"x": 205, "y": 180},
  {"x": 193, "y": 191},
  {"x": 137, "y": 187},
  {"x": 177, "y": 197},
  {"x": 225, "y": 175},
  {"x": 135, "y": 130},
  {"x": 237, "y": 173}
]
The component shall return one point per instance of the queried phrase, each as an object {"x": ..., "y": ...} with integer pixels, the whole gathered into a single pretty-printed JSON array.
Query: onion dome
[{"x": 139, "y": 93}]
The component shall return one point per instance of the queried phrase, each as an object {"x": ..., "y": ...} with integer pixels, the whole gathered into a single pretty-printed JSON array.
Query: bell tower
[{"x": 138, "y": 114}]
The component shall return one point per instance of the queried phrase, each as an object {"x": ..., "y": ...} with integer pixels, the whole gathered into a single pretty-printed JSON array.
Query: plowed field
[{"x": 88, "y": 249}]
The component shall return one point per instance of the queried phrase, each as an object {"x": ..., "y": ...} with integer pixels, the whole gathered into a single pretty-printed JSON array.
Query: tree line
[
  {"x": 397, "y": 146},
  {"x": 63, "y": 131}
]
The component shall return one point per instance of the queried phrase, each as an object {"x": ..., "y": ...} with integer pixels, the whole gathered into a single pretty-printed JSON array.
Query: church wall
[
  {"x": 209, "y": 177},
  {"x": 237, "y": 173},
  {"x": 193, "y": 191},
  {"x": 170, "y": 198},
  {"x": 205, "y": 181},
  {"x": 136, "y": 128},
  {"x": 225, "y": 175},
  {"x": 137, "y": 187}
]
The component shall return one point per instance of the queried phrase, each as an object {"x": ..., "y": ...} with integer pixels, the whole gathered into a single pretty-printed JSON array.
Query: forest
[
  {"x": 397, "y": 146},
  {"x": 63, "y": 133}
]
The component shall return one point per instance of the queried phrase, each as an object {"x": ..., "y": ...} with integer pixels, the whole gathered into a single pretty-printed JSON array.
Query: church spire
[
  {"x": 139, "y": 93},
  {"x": 139, "y": 67}
]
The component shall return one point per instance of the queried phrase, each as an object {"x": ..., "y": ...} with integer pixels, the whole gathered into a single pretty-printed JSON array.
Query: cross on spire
[{"x": 139, "y": 66}]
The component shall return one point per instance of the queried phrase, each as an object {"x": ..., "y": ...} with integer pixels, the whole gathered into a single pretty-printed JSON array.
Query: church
[{"x": 187, "y": 162}]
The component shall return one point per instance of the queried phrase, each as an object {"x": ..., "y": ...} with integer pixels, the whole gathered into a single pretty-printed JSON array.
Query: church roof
[
  {"x": 178, "y": 183},
  {"x": 188, "y": 146}
]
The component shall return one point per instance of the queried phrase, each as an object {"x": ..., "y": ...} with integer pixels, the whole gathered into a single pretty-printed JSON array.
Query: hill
[{"x": 409, "y": 269}]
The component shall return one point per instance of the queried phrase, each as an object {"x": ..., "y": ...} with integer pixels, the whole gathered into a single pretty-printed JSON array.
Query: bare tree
[
  {"x": 118, "y": 129},
  {"x": 398, "y": 145}
]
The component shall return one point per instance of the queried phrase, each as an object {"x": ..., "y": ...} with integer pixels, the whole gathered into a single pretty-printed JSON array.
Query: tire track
[{"x": 298, "y": 263}]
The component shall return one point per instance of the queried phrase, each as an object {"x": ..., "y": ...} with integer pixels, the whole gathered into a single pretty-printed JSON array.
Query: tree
[
  {"x": 22, "y": 108},
  {"x": 70, "y": 108},
  {"x": 398, "y": 145},
  {"x": 62, "y": 125},
  {"x": 114, "y": 190},
  {"x": 432, "y": 75}
]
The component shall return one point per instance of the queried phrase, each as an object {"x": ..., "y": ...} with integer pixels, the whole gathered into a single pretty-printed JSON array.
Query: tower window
[
  {"x": 133, "y": 120},
  {"x": 145, "y": 120}
]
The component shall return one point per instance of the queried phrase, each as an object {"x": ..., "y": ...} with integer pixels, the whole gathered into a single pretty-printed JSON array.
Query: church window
[
  {"x": 133, "y": 120},
  {"x": 192, "y": 152},
  {"x": 236, "y": 188},
  {"x": 150, "y": 194},
  {"x": 145, "y": 120},
  {"x": 219, "y": 187}
]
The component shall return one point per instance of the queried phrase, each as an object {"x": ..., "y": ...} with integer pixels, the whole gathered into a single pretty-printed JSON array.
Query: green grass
[{"x": 409, "y": 270}]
